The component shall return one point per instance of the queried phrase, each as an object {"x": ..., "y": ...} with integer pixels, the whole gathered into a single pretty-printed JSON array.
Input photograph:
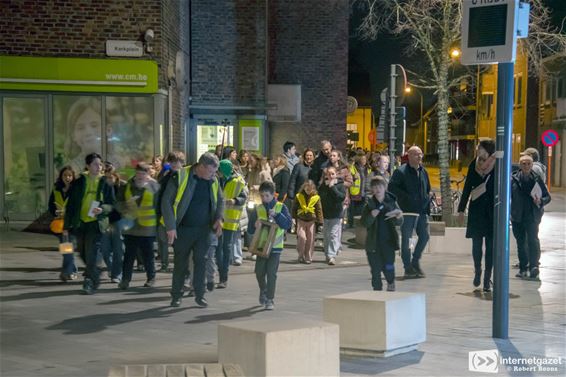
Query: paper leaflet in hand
[
  {"x": 94, "y": 204},
  {"x": 536, "y": 192}
]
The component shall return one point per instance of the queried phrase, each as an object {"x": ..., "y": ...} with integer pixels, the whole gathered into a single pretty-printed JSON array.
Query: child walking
[
  {"x": 307, "y": 209},
  {"x": 266, "y": 268},
  {"x": 380, "y": 215},
  {"x": 332, "y": 194}
]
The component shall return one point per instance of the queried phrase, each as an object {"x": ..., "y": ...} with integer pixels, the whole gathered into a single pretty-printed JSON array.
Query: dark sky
[{"x": 370, "y": 61}]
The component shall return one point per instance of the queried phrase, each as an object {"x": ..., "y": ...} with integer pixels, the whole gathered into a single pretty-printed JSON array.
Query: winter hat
[{"x": 225, "y": 168}]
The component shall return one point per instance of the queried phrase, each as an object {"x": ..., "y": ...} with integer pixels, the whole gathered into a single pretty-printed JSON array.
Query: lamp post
[{"x": 409, "y": 90}]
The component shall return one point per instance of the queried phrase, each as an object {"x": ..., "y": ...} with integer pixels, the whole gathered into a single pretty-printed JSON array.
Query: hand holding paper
[
  {"x": 394, "y": 213},
  {"x": 94, "y": 209}
]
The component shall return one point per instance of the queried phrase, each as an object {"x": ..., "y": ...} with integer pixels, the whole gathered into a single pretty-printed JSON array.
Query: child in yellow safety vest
[
  {"x": 266, "y": 268},
  {"x": 307, "y": 209}
]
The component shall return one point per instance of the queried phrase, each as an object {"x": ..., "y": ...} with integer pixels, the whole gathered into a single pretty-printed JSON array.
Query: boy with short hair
[
  {"x": 380, "y": 215},
  {"x": 266, "y": 268}
]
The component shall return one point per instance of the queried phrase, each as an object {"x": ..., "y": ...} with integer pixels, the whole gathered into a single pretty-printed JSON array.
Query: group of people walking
[{"x": 211, "y": 210}]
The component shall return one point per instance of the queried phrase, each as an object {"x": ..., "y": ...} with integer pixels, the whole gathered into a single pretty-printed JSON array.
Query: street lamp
[
  {"x": 409, "y": 90},
  {"x": 455, "y": 53}
]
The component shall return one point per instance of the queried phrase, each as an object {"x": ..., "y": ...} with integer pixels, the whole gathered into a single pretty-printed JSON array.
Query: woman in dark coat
[
  {"x": 479, "y": 191},
  {"x": 300, "y": 173},
  {"x": 281, "y": 176}
]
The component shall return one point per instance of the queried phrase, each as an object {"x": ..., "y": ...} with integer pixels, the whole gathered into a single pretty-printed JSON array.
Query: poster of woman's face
[{"x": 122, "y": 133}]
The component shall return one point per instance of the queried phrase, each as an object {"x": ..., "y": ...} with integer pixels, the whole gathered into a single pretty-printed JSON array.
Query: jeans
[
  {"x": 190, "y": 240},
  {"x": 332, "y": 237},
  {"x": 68, "y": 266},
  {"x": 225, "y": 252},
  {"x": 238, "y": 255},
  {"x": 163, "y": 246},
  {"x": 213, "y": 251},
  {"x": 112, "y": 249},
  {"x": 407, "y": 228},
  {"x": 381, "y": 261},
  {"x": 528, "y": 244},
  {"x": 266, "y": 274},
  {"x": 88, "y": 245},
  {"x": 477, "y": 253},
  {"x": 145, "y": 245}
]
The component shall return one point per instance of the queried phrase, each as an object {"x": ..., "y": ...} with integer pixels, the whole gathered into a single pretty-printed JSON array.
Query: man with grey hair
[
  {"x": 538, "y": 167},
  {"x": 192, "y": 208},
  {"x": 321, "y": 162}
]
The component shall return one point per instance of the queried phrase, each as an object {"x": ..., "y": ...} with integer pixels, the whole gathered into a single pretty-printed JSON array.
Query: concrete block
[
  {"x": 175, "y": 370},
  {"x": 454, "y": 240},
  {"x": 233, "y": 370},
  {"x": 195, "y": 370},
  {"x": 377, "y": 323},
  {"x": 214, "y": 370},
  {"x": 281, "y": 347},
  {"x": 117, "y": 371},
  {"x": 135, "y": 370},
  {"x": 156, "y": 370}
]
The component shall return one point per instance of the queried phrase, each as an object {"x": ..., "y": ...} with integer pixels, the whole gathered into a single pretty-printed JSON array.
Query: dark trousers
[
  {"x": 381, "y": 261},
  {"x": 145, "y": 247},
  {"x": 197, "y": 241},
  {"x": 355, "y": 209},
  {"x": 421, "y": 225},
  {"x": 224, "y": 253},
  {"x": 528, "y": 244},
  {"x": 477, "y": 253},
  {"x": 88, "y": 245},
  {"x": 266, "y": 274}
]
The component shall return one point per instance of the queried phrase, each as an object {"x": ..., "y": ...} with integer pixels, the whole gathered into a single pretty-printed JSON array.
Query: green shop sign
[{"x": 78, "y": 75}]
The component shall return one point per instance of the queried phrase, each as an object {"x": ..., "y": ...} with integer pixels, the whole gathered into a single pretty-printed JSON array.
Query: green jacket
[{"x": 104, "y": 194}]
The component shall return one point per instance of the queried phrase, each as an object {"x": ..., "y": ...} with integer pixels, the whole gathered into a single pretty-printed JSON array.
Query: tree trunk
[{"x": 443, "y": 151}]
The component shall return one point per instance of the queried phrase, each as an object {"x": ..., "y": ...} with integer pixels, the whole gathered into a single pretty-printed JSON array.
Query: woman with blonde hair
[
  {"x": 307, "y": 210},
  {"x": 281, "y": 177}
]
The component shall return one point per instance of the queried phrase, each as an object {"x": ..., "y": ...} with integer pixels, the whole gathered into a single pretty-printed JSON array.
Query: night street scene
[{"x": 282, "y": 188}]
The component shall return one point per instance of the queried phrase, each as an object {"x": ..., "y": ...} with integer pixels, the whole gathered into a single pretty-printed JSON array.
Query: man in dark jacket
[
  {"x": 321, "y": 162},
  {"x": 529, "y": 195},
  {"x": 300, "y": 174},
  {"x": 411, "y": 185}
]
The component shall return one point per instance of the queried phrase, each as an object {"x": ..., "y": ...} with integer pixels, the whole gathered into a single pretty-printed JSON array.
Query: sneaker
[
  {"x": 410, "y": 273},
  {"x": 378, "y": 288},
  {"x": 269, "y": 305},
  {"x": 149, "y": 283},
  {"x": 210, "y": 286},
  {"x": 522, "y": 275},
  {"x": 201, "y": 301},
  {"x": 331, "y": 261},
  {"x": 391, "y": 287},
  {"x": 308, "y": 262},
  {"x": 418, "y": 271},
  {"x": 64, "y": 277},
  {"x": 124, "y": 285},
  {"x": 254, "y": 257},
  {"x": 301, "y": 260},
  {"x": 237, "y": 262},
  {"x": 116, "y": 280},
  {"x": 516, "y": 265},
  {"x": 163, "y": 269},
  {"x": 88, "y": 290},
  {"x": 73, "y": 276},
  {"x": 487, "y": 286},
  {"x": 534, "y": 274},
  {"x": 222, "y": 285},
  {"x": 191, "y": 293},
  {"x": 262, "y": 299},
  {"x": 477, "y": 279},
  {"x": 176, "y": 302}
]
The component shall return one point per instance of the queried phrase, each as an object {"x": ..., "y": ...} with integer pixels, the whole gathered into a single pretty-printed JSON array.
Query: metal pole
[
  {"x": 392, "y": 114},
  {"x": 500, "y": 318},
  {"x": 421, "y": 123}
]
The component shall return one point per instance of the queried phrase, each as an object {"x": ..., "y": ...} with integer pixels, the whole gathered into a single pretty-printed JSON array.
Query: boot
[
  {"x": 487, "y": 281},
  {"x": 477, "y": 278}
]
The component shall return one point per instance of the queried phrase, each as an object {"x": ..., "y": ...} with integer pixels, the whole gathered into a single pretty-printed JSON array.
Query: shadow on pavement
[
  {"x": 138, "y": 298},
  {"x": 378, "y": 365},
  {"x": 248, "y": 312},
  {"x": 37, "y": 283},
  {"x": 99, "y": 322},
  {"x": 30, "y": 269}
]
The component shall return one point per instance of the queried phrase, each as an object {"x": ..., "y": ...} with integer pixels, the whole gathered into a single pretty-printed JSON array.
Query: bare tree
[{"x": 433, "y": 27}]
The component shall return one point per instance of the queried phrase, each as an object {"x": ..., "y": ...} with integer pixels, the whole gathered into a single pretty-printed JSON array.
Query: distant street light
[
  {"x": 409, "y": 90},
  {"x": 455, "y": 53}
]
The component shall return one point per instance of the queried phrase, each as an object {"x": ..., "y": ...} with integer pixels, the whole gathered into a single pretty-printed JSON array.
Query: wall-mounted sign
[{"x": 124, "y": 48}]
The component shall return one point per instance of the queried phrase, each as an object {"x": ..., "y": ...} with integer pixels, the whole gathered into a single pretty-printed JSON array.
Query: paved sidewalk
[{"x": 49, "y": 329}]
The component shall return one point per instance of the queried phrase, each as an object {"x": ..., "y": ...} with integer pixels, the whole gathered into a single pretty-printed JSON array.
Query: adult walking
[
  {"x": 411, "y": 185},
  {"x": 320, "y": 162},
  {"x": 529, "y": 195},
  {"x": 290, "y": 150},
  {"x": 90, "y": 201},
  {"x": 192, "y": 207},
  {"x": 479, "y": 191},
  {"x": 300, "y": 173},
  {"x": 281, "y": 177}
]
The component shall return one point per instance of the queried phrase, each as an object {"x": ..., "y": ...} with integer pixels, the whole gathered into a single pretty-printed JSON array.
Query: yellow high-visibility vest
[
  {"x": 279, "y": 235},
  {"x": 145, "y": 213},
  {"x": 356, "y": 187},
  {"x": 232, "y": 212},
  {"x": 59, "y": 201},
  {"x": 307, "y": 208}
]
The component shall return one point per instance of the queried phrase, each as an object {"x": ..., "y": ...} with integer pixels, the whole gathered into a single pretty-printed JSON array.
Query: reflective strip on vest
[
  {"x": 145, "y": 214},
  {"x": 306, "y": 209},
  {"x": 59, "y": 201},
  {"x": 356, "y": 187},
  {"x": 279, "y": 235},
  {"x": 232, "y": 213}
]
